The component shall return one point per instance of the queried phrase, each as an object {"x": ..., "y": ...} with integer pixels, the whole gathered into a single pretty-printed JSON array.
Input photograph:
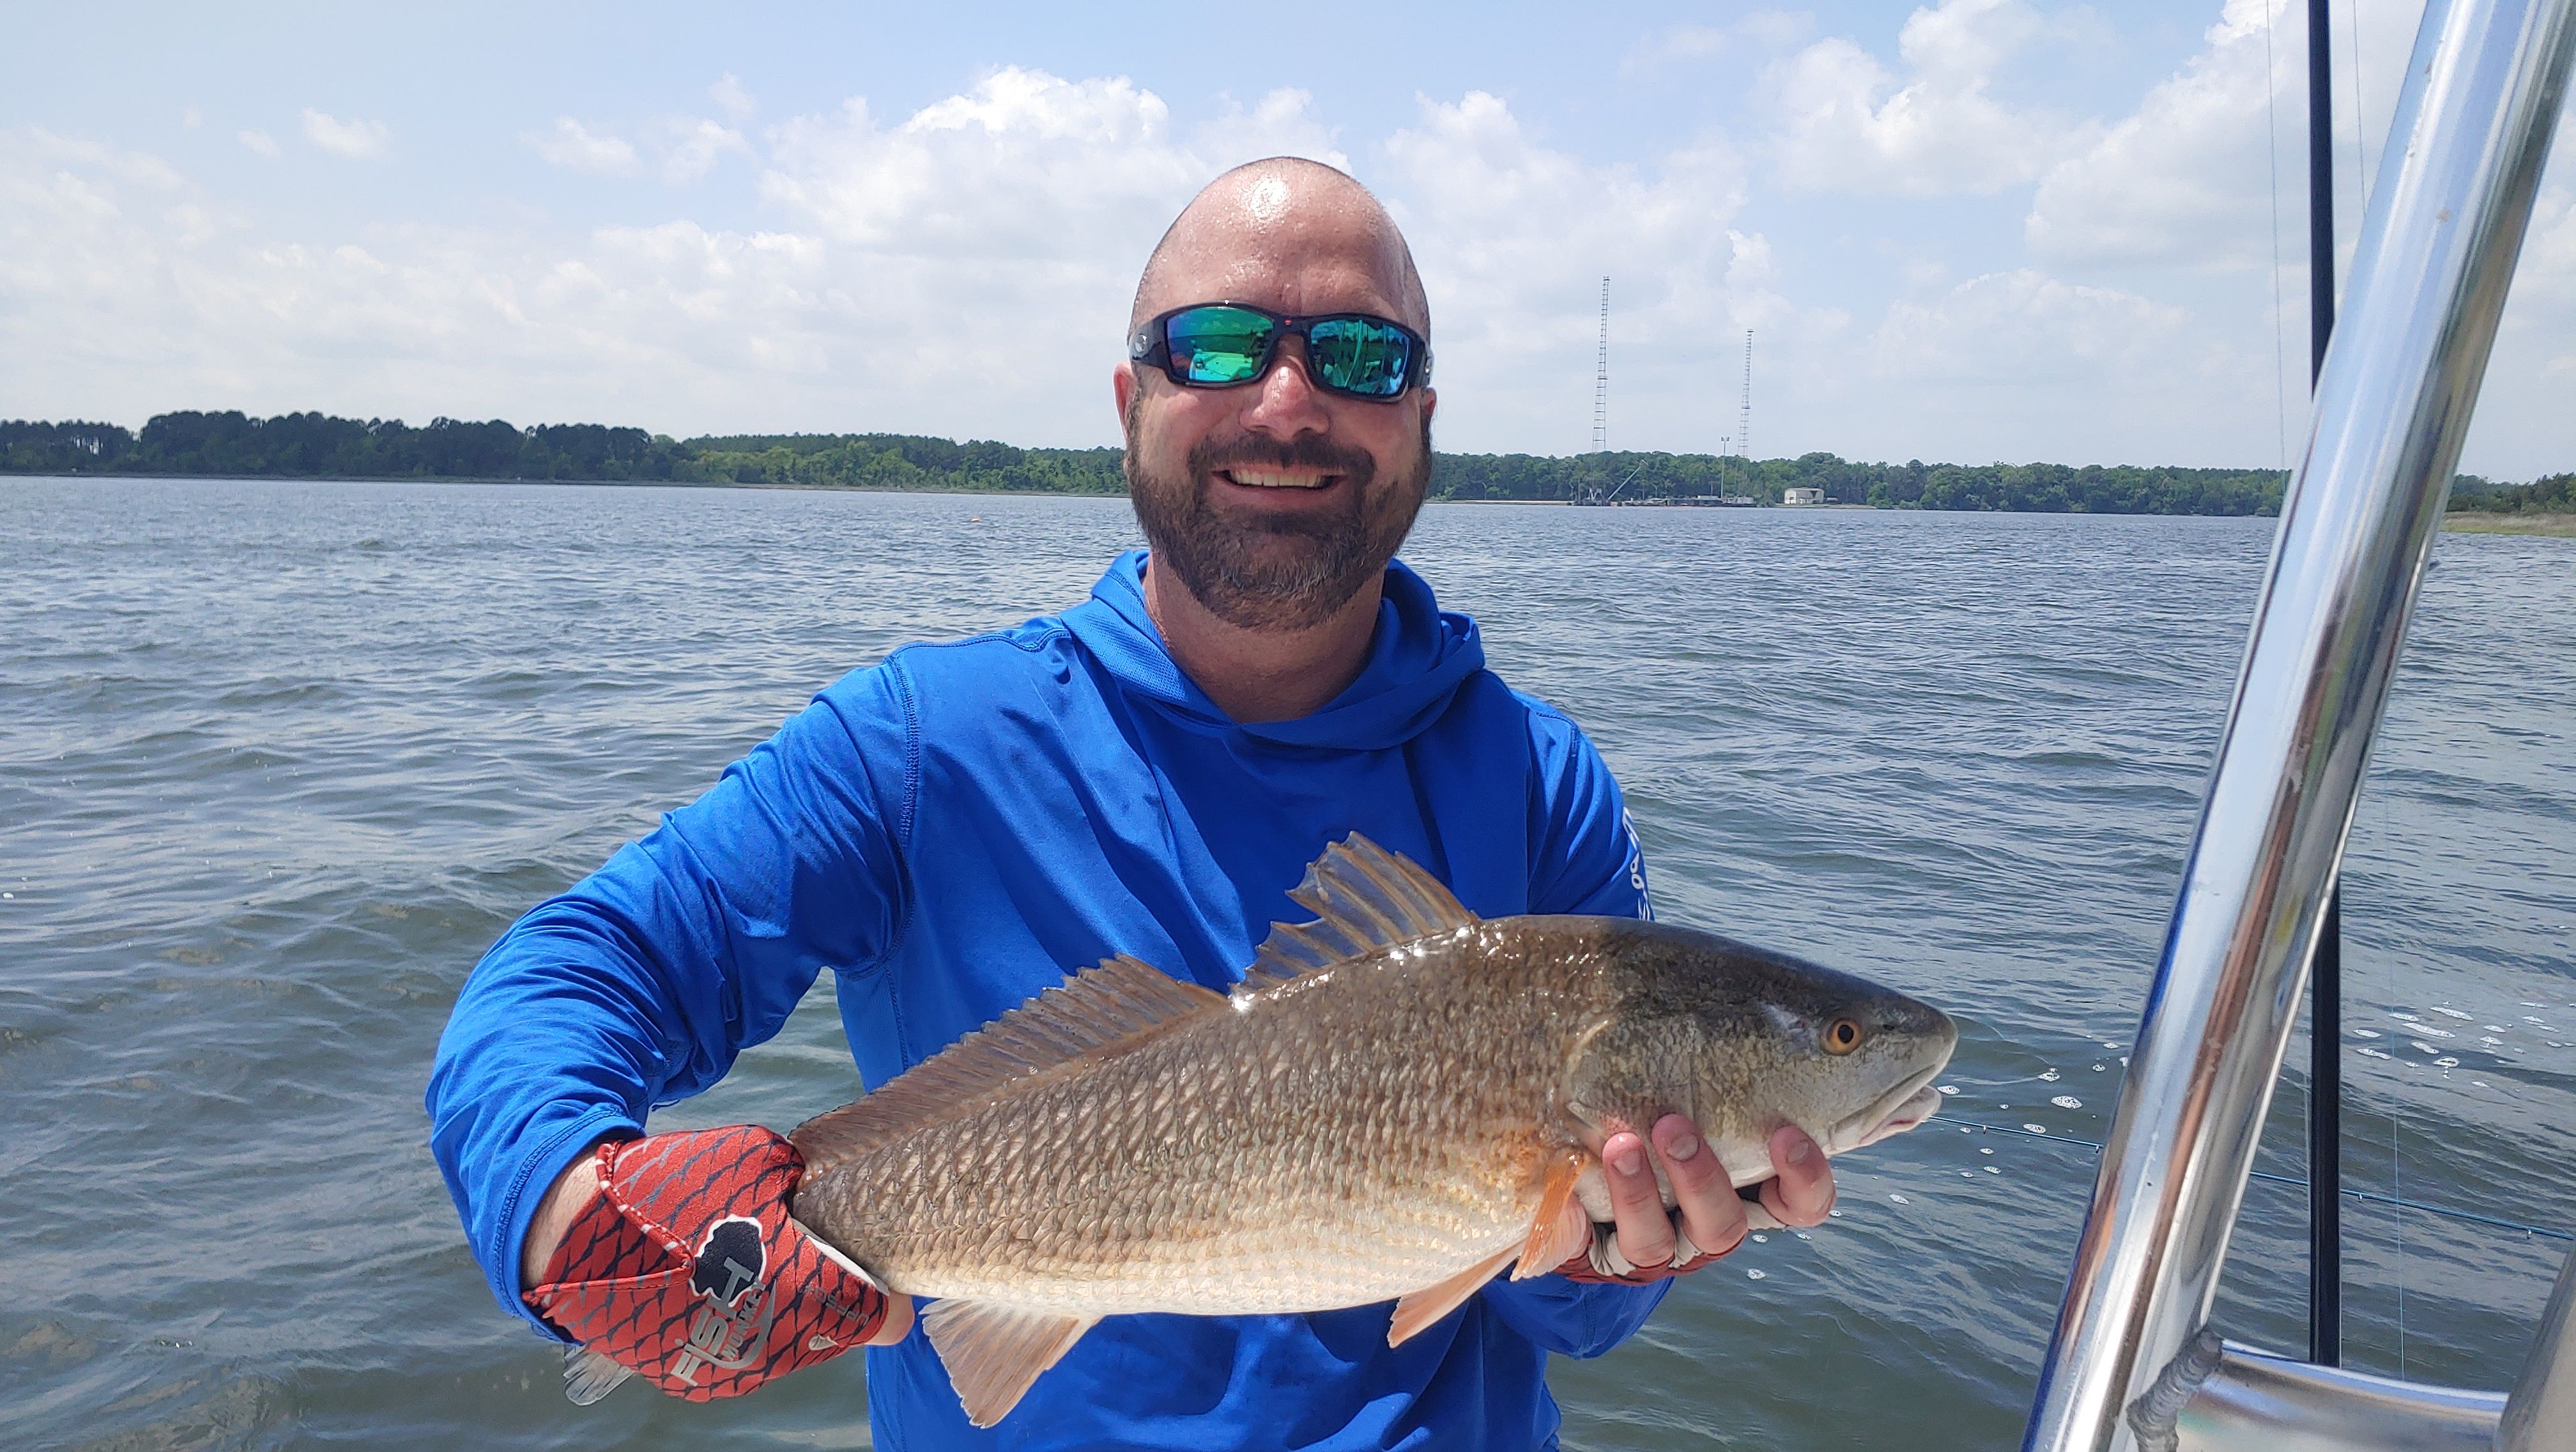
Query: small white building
[{"x": 1796, "y": 497}]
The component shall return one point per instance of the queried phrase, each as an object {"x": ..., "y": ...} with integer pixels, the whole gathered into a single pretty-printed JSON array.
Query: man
[{"x": 956, "y": 828}]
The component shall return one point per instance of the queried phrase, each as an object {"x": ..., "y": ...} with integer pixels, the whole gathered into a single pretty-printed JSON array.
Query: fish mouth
[{"x": 1902, "y": 1108}]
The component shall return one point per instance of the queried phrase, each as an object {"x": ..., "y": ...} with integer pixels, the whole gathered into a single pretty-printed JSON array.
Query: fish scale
[{"x": 1387, "y": 1108}]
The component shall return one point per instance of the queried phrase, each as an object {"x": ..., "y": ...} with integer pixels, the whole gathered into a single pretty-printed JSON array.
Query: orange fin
[
  {"x": 1366, "y": 898},
  {"x": 1560, "y": 1228},
  {"x": 1116, "y": 1005},
  {"x": 1422, "y": 1307},
  {"x": 993, "y": 1353}
]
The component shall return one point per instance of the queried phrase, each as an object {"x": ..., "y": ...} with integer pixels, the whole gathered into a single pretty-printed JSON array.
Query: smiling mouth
[{"x": 1256, "y": 478}]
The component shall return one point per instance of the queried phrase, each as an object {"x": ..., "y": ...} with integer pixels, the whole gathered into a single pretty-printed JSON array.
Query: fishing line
[
  {"x": 2360, "y": 131},
  {"x": 2272, "y": 157},
  {"x": 2497, "y": 1221}
]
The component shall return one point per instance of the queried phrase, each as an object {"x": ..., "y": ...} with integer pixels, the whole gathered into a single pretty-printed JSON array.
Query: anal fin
[
  {"x": 994, "y": 1353},
  {"x": 1561, "y": 1227},
  {"x": 588, "y": 1375},
  {"x": 1420, "y": 1308}
]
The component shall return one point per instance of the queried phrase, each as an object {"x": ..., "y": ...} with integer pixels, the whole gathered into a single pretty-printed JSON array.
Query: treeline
[
  {"x": 318, "y": 446},
  {"x": 313, "y": 445},
  {"x": 2023, "y": 488},
  {"x": 2550, "y": 494}
]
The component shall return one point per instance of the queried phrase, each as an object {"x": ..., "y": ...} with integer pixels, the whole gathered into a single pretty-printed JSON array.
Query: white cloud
[
  {"x": 965, "y": 269},
  {"x": 260, "y": 142},
  {"x": 694, "y": 147},
  {"x": 1682, "y": 45},
  {"x": 571, "y": 144},
  {"x": 731, "y": 98},
  {"x": 1848, "y": 123},
  {"x": 2024, "y": 328},
  {"x": 357, "y": 139},
  {"x": 2187, "y": 177},
  {"x": 1514, "y": 238}
]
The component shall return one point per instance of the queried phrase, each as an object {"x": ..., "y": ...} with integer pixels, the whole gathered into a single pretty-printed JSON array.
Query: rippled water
[{"x": 278, "y": 759}]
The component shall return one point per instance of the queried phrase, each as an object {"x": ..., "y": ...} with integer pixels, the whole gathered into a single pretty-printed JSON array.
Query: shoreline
[
  {"x": 2542, "y": 525},
  {"x": 2552, "y": 526}
]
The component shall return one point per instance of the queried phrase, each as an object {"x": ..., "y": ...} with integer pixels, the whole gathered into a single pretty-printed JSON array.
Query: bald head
[{"x": 1286, "y": 233}]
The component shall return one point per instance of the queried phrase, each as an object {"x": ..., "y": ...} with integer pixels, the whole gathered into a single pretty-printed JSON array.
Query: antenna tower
[
  {"x": 1601, "y": 379},
  {"x": 1744, "y": 423}
]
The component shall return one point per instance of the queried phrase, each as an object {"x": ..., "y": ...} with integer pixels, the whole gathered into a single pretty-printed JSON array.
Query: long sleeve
[
  {"x": 1585, "y": 859},
  {"x": 640, "y": 984}
]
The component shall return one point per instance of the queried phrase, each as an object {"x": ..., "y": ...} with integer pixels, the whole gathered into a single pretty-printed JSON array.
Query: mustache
[{"x": 1305, "y": 451}]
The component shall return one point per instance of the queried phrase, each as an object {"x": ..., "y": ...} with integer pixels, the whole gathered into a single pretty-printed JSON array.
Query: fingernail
[
  {"x": 1800, "y": 1149},
  {"x": 1630, "y": 1163},
  {"x": 1683, "y": 1147}
]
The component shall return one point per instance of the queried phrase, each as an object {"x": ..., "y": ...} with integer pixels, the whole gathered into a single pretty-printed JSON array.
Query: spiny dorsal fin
[
  {"x": 1365, "y": 898},
  {"x": 1119, "y": 1003},
  {"x": 993, "y": 1352}
]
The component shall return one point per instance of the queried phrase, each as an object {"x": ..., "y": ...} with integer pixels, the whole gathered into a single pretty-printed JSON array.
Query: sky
[{"x": 1972, "y": 231}]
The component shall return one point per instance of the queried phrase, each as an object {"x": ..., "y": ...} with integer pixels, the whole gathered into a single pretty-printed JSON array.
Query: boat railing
[{"x": 2132, "y": 1366}]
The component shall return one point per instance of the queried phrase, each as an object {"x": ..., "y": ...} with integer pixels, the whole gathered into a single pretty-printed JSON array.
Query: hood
[{"x": 1417, "y": 657}]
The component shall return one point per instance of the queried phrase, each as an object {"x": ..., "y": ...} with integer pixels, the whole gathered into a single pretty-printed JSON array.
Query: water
[{"x": 277, "y": 760}]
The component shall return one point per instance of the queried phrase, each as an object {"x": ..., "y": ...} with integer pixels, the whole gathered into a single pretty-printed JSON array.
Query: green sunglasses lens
[
  {"x": 1219, "y": 345},
  {"x": 1361, "y": 357}
]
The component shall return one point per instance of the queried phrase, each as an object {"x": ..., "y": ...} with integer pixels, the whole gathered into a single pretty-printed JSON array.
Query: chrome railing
[{"x": 2438, "y": 247}]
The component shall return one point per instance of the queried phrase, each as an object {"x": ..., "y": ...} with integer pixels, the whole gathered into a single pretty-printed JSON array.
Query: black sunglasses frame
[{"x": 1152, "y": 344}]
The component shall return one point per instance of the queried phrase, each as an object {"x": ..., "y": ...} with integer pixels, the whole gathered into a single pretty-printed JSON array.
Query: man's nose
[{"x": 1286, "y": 402}]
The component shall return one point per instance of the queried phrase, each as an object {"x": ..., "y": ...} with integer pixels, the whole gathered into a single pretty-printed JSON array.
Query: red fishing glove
[{"x": 685, "y": 1268}]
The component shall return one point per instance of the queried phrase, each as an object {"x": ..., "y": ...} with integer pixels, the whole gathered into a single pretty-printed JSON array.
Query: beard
[{"x": 1275, "y": 572}]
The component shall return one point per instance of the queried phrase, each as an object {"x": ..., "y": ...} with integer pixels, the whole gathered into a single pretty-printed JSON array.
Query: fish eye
[{"x": 1842, "y": 1036}]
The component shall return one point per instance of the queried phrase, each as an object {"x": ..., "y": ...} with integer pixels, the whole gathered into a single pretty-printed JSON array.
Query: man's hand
[
  {"x": 1707, "y": 1208},
  {"x": 673, "y": 1256}
]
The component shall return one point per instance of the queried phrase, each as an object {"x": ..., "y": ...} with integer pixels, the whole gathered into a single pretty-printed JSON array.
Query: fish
[{"x": 1399, "y": 1101}]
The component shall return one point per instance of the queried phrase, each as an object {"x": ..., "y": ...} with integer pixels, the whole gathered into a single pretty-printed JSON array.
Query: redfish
[{"x": 1399, "y": 1102}]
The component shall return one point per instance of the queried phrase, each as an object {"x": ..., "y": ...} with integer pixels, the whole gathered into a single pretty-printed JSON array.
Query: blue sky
[{"x": 1982, "y": 229}]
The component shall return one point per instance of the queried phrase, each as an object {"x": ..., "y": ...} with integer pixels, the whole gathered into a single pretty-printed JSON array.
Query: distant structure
[
  {"x": 1744, "y": 423},
  {"x": 1796, "y": 498},
  {"x": 1601, "y": 379}
]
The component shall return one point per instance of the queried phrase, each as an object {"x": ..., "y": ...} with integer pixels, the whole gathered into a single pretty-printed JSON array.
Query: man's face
[{"x": 1275, "y": 501}]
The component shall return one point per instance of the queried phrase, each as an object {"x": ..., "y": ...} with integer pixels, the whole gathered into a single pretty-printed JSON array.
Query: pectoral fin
[
  {"x": 1422, "y": 1307},
  {"x": 1560, "y": 1228},
  {"x": 588, "y": 1375},
  {"x": 994, "y": 1353}
]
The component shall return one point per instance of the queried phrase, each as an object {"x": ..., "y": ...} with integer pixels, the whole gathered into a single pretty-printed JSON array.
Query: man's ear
[
  {"x": 1430, "y": 403},
  {"x": 1122, "y": 389}
]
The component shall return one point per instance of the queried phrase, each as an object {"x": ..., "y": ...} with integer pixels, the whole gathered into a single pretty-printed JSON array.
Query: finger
[
  {"x": 898, "y": 1320},
  {"x": 1711, "y": 1210},
  {"x": 1636, "y": 1202},
  {"x": 1801, "y": 1192}
]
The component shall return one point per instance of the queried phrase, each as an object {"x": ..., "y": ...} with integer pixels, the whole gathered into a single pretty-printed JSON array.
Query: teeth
[{"x": 1276, "y": 479}]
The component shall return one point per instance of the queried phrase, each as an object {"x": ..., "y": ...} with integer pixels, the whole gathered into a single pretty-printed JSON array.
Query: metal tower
[
  {"x": 1744, "y": 422},
  {"x": 1601, "y": 379}
]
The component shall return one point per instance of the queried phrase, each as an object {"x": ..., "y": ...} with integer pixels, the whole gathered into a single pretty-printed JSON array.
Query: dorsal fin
[
  {"x": 1365, "y": 898},
  {"x": 1119, "y": 1003}
]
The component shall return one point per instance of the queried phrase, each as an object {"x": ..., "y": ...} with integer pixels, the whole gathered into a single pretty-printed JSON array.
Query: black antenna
[{"x": 2325, "y": 968}]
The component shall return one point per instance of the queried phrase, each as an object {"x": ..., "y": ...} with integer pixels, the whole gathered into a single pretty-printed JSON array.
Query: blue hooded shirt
[{"x": 956, "y": 829}]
